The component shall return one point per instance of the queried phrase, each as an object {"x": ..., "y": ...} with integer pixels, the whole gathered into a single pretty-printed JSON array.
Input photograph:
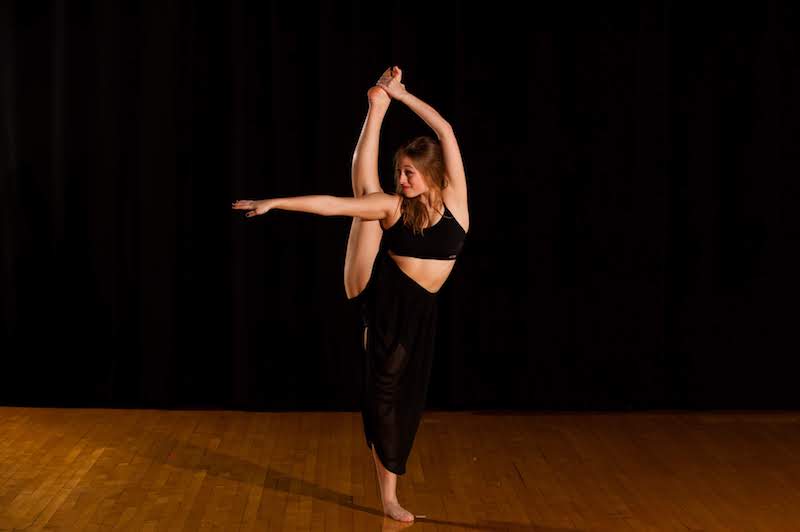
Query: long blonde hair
[{"x": 426, "y": 153}]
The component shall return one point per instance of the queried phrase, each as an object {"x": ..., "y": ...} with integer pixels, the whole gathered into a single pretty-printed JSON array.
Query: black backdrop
[{"x": 633, "y": 174}]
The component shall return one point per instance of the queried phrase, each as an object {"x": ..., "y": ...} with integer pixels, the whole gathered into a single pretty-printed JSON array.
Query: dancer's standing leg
[{"x": 363, "y": 244}]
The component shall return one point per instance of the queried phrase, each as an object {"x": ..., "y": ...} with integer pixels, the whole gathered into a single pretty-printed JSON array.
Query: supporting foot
[
  {"x": 387, "y": 482},
  {"x": 397, "y": 512}
]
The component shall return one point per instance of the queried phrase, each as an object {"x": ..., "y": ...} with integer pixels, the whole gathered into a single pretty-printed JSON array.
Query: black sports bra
[{"x": 443, "y": 240}]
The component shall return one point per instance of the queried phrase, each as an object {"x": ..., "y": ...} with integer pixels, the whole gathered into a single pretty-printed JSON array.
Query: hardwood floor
[{"x": 107, "y": 469}]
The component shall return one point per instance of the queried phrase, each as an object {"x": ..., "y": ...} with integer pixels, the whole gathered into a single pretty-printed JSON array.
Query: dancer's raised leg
[{"x": 364, "y": 239}]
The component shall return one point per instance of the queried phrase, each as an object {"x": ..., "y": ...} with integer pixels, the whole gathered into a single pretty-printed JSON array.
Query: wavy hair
[{"x": 426, "y": 154}]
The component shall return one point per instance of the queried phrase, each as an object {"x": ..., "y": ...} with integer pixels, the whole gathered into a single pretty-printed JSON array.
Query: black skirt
[{"x": 401, "y": 318}]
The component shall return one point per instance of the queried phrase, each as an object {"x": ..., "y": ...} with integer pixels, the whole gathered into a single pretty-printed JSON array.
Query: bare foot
[
  {"x": 395, "y": 511},
  {"x": 378, "y": 96},
  {"x": 387, "y": 483}
]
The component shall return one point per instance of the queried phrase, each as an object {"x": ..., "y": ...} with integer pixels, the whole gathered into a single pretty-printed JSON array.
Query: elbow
[
  {"x": 446, "y": 129},
  {"x": 331, "y": 206}
]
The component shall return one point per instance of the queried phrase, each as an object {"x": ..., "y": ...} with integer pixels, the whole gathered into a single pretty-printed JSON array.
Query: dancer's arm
[
  {"x": 374, "y": 206},
  {"x": 430, "y": 115},
  {"x": 454, "y": 166}
]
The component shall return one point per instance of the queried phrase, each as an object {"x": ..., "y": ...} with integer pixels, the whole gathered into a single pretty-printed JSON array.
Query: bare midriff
[{"x": 430, "y": 274}]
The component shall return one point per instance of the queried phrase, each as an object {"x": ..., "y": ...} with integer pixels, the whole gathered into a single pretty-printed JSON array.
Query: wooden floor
[{"x": 106, "y": 469}]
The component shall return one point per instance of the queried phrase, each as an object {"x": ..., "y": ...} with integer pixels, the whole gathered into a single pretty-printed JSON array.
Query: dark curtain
[{"x": 633, "y": 174}]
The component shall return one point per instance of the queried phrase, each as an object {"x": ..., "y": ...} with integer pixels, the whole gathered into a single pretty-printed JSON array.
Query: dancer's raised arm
[
  {"x": 454, "y": 166},
  {"x": 374, "y": 206}
]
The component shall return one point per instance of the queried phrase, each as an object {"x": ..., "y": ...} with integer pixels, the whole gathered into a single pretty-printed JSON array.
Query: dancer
[{"x": 424, "y": 225}]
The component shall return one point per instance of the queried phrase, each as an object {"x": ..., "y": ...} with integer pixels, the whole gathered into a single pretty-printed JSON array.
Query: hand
[
  {"x": 254, "y": 207},
  {"x": 390, "y": 82}
]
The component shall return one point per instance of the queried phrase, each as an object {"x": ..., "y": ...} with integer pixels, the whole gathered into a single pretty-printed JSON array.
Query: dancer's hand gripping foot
[{"x": 391, "y": 82}]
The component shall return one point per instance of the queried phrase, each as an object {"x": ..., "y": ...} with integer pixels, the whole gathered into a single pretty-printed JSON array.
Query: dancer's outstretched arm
[
  {"x": 374, "y": 206},
  {"x": 454, "y": 166}
]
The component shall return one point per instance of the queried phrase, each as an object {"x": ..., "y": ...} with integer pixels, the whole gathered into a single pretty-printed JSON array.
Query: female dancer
[{"x": 424, "y": 223}]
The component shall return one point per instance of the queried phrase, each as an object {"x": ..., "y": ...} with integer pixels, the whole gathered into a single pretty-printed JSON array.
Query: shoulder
[{"x": 391, "y": 204}]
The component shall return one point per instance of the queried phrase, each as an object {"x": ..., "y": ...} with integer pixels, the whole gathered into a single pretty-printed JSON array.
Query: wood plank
[{"x": 101, "y": 469}]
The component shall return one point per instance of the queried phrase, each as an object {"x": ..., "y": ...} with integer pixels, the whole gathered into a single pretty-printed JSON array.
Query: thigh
[{"x": 363, "y": 244}]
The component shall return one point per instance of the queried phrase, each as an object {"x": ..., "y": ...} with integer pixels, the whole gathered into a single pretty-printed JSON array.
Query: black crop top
[{"x": 443, "y": 240}]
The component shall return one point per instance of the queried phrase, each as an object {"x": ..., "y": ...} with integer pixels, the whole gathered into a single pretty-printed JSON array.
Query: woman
[{"x": 423, "y": 224}]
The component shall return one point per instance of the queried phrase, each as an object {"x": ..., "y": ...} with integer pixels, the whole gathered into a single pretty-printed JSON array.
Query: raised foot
[
  {"x": 397, "y": 512},
  {"x": 378, "y": 96}
]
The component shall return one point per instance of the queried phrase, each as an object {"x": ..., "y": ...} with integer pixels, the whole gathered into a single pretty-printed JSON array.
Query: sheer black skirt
[{"x": 401, "y": 318}]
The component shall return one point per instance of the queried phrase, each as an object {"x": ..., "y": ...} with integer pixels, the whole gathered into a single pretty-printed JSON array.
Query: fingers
[
  {"x": 391, "y": 72},
  {"x": 387, "y": 74},
  {"x": 392, "y": 75},
  {"x": 244, "y": 204}
]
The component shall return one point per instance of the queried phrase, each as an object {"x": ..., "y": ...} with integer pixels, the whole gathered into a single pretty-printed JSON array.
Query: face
[{"x": 410, "y": 179}]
